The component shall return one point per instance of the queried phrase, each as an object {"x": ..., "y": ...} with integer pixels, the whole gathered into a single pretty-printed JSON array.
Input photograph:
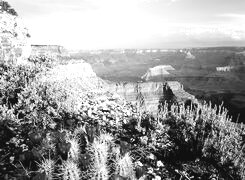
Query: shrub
[
  {"x": 205, "y": 133},
  {"x": 7, "y": 8},
  {"x": 13, "y": 80},
  {"x": 45, "y": 132}
]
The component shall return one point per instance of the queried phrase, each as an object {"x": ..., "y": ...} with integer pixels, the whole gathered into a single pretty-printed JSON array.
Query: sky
[{"x": 103, "y": 24}]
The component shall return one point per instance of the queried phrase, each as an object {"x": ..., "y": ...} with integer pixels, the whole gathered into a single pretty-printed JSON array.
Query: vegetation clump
[
  {"x": 5, "y": 7},
  {"x": 46, "y": 135}
]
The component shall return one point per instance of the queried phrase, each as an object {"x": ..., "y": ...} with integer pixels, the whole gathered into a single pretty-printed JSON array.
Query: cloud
[
  {"x": 173, "y": 1},
  {"x": 124, "y": 23},
  {"x": 233, "y": 15}
]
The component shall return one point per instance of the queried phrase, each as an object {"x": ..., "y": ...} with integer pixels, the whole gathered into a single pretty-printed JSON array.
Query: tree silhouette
[
  {"x": 5, "y": 7},
  {"x": 167, "y": 96}
]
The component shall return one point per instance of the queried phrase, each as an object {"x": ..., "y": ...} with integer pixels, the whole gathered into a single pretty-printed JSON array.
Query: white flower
[
  {"x": 151, "y": 156},
  {"x": 150, "y": 170},
  {"x": 138, "y": 163},
  {"x": 157, "y": 178},
  {"x": 159, "y": 164},
  {"x": 89, "y": 113}
]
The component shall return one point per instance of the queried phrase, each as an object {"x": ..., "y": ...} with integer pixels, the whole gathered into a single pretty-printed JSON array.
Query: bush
[
  {"x": 206, "y": 133},
  {"x": 42, "y": 126},
  {"x": 7, "y": 8}
]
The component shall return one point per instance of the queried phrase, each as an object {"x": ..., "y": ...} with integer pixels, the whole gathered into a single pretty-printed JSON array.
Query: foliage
[
  {"x": 206, "y": 133},
  {"x": 45, "y": 134},
  {"x": 41, "y": 62},
  {"x": 13, "y": 81},
  {"x": 5, "y": 7}
]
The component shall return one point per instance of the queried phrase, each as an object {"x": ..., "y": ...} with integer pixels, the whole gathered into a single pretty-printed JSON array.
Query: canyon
[
  {"x": 201, "y": 71},
  {"x": 162, "y": 70},
  {"x": 195, "y": 68},
  {"x": 54, "y": 51},
  {"x": 91, "y": 114},
  {"x": 149, "y": 94}
]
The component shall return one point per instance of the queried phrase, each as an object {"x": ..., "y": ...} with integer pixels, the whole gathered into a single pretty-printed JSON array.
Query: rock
[
  {"x": 53, "y": 51},
  {"x": 79, "y": 75},
  {"x": 162, "y": 70},
  {"x": 14, "y": 39},
  {"x": 190, "y": 65},
  {"x": 146, "y": 95}
]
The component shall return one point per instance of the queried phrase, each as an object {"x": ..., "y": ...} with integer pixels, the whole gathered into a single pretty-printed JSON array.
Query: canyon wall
[
  {"x": 53, "y": 51},
  {"x": 161, "y": 71},
  {"x": 150, "y": 93},
  {"x": 77, "y": 75},
  {"x": 224, "y": 68}
]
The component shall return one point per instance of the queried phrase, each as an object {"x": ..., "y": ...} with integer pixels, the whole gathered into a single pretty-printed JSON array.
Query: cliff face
[
  {"x": 157, "y": 71},
  {"x": 77, "y": 75},
  {"x": 224, "y": 68},
  {"x": 149, "y": 92},
  {"x": 14, "y": 39},
  {"x": 48, "y": 50}
]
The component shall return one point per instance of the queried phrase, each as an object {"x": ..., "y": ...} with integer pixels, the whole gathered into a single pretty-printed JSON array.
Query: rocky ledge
[{"x": 150, "y": 93}]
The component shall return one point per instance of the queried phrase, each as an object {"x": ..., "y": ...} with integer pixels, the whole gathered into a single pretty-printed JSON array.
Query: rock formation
[
  {"x": 148, "y": 94},
  {"x": 78, "y": 74},
  {"x": 158, "y": 71},
  {"x": 190, "y": 64},
  {"x": 14, "y": 39},
  {"x": 90, "y": 93},
  {"x": 189, "y": 55},
  {"x": 53, "y": 51},
  {"x": 224, "y": 68},
  {"x": 234, "y": 63}
]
